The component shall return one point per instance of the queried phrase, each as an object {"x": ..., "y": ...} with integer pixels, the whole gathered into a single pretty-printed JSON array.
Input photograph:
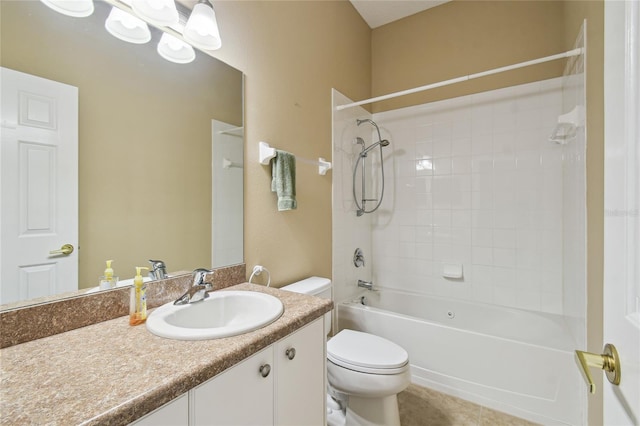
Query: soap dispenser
[
  {"x": 138, "y": 301},
  {"x": 108, "y": 280}
]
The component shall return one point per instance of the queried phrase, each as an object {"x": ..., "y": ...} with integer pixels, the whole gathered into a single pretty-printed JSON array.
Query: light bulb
[
  {"x": 75, "y": 8},
  {"x": 175, "y": 50},
  {"x": 127, "y": 27},
  {"x": 201, "y": 29},
  {"x": 159, "y": 12}
]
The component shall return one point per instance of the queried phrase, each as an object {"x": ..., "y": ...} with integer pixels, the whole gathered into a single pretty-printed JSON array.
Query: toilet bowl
[
  {"x": 370, "y": 371},
  {"x": 364, "y": 372}
]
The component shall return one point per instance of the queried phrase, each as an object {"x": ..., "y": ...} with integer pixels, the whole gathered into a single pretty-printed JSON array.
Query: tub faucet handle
[{"x": 358, "y": 258}]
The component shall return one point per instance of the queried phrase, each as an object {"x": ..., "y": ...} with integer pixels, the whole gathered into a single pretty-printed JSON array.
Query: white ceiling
[{"x": 380, "y": 12}]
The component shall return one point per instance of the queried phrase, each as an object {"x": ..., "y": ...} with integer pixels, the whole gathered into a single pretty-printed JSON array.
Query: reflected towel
[{"x": 283, "y": 179}]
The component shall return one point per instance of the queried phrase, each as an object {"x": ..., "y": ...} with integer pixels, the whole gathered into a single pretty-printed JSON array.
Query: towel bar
[{"x": 266, "y": 153}]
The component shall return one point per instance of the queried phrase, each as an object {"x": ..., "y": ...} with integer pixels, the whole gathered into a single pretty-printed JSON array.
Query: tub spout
[{"x": 365, "y": 284}]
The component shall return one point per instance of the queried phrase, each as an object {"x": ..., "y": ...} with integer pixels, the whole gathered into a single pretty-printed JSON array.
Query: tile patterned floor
[{"x": 421, "y": 406}]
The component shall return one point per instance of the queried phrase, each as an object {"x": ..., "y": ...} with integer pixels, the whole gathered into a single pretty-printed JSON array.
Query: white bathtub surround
[
  {"x": 485, "y": 215},
  {"x": 476, "y": 182},
  {"x": 507, "y": 359}
]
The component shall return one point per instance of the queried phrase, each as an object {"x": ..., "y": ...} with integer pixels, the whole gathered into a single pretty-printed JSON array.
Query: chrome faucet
[
  {"x": 198, "y": 290},
  {"x": 158, "y": 270},
  {"x": 365, "y": 284}
]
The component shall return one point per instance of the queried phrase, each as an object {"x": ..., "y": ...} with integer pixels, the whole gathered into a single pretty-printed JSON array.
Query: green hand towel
[{"x": 283, "y": 179}]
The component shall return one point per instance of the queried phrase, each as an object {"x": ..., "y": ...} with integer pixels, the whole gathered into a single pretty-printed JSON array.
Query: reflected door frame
[{"x": 39, "y": 179}]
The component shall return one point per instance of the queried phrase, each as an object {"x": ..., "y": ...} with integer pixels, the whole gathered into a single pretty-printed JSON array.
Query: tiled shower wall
[{"x": 473, "y": 182}]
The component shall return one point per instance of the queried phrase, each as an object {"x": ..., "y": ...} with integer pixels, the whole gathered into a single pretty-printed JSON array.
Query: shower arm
[{"x": 373, "y": 123}]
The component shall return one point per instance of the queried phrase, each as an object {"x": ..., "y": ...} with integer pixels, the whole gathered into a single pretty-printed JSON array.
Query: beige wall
[
  {"x": 144, "y": 138},
  {"x": 461, "y": 38},
  {"x": 292, "y": 53}
]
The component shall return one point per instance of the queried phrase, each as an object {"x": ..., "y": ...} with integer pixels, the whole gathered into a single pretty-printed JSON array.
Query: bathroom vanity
[
  {"x": 112, "y": 373},
  {"x": 282, "y": 384}
]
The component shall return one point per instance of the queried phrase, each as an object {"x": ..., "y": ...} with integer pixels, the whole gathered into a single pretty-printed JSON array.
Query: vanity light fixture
[
  {"x": 201, "y": 29},
  {"x": 127, "y": 27},
  {"x": 175, "y": 50},
  {"x": 75, "y": 8},
  {"x": 159, "y": 12},
  {"x": 128, "y": 22}
]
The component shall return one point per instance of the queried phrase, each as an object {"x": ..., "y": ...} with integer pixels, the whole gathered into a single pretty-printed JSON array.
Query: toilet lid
[{"x": 358, "y": 349}]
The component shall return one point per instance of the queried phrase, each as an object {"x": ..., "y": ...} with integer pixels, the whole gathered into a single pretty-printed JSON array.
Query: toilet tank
[{"x": 314, "y": 286}]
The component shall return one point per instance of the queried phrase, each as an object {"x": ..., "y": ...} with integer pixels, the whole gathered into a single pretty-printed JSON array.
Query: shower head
[
  {"x": 359, "y": 212},
  {"x": 382, "y": 142}
]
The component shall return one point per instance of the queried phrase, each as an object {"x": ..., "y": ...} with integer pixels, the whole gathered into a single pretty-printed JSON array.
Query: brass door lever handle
[
  {"x": 66, "y": 249},
  {"x": 609, "y": 361}
]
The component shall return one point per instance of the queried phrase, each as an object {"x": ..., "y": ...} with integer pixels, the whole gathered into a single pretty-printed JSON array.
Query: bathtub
[{"x": 515, "y": 361}]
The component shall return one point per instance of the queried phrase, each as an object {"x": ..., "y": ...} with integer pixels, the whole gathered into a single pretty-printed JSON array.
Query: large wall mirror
[{"x": 159, "y": 156}]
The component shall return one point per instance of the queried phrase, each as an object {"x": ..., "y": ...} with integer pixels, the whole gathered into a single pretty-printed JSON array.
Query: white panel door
[
  {"x": 39, "y": 181},
  {"x": 622, "y": 208}
]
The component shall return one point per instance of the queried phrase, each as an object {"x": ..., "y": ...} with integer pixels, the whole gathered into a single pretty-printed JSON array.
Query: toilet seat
[{"x": 366, "y": 353}]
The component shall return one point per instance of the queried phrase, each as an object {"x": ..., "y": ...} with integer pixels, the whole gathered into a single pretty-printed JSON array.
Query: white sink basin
[{"x": 222, "y": 314}]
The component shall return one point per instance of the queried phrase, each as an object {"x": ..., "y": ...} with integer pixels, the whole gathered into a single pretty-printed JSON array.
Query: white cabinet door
[
  {"x": 242, "y": 395},
  {"x": 173, "y": 413},
  {"x": 300, "y": 387}
]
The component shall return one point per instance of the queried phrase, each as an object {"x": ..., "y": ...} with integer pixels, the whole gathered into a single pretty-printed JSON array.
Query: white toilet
[{"x": 365, "y": 372}]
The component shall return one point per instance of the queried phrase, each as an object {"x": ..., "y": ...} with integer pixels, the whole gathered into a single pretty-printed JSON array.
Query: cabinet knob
[
  {"x": 265, "y": 370},
  {"x": 290, "y": 353}
]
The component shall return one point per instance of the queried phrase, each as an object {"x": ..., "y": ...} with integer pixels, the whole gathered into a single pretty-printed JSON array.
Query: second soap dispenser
[
  {"x": 138, "y": 300},
  {"x": 108, "y": 280}
]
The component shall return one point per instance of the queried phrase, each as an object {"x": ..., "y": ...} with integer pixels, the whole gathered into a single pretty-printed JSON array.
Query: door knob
[
  {"x": 609, "y": 361},
  {"x": 66, "y": 249}
]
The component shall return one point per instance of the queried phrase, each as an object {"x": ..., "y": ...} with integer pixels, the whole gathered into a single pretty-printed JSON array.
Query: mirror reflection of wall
[
  {"x": 145, "y": 137},
  {"x": 227, "y": 182}
]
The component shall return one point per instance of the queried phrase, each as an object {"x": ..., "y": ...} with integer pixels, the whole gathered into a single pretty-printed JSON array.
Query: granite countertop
[{"x": 112, "y": 373}]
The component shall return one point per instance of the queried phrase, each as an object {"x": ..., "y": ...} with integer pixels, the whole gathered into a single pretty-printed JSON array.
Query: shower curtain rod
[{"x": 568, "y": 54}]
